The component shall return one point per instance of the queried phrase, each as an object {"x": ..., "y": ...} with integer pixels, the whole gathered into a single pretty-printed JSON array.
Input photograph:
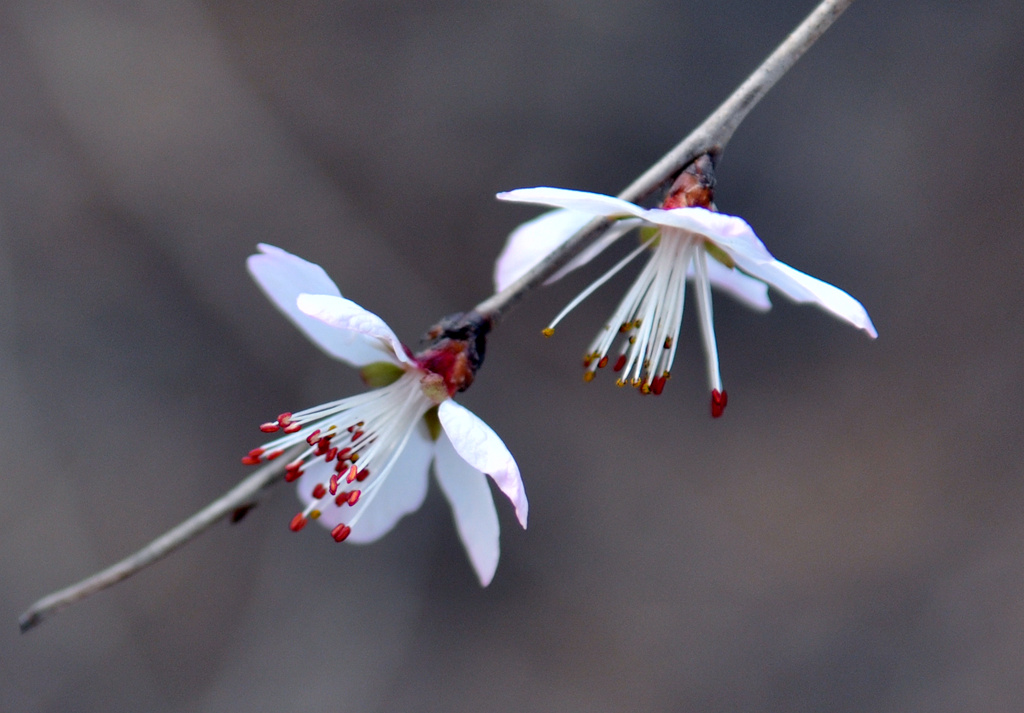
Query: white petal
[
  {"x": 582, "y": 201},
  {"x": 355, "y": 326},
  {"x": 283, "y": 277},
  {"x": 472, "y": 506},
  {"x": 729, "y": 232},
  {"x": 801, "y": 287},
  {"x": 753, "y": 293},
  {"x": 613, "y": 233},
  {"x": 480, "y": 446},
  {"x": 401, "y": 492},
  {"x": 535, "y": 239}
]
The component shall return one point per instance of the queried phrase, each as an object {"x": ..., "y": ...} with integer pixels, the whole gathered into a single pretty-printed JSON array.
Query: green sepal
[
  {"x": 381, "y": 373},
  {"x": 433, "y": 423},
  {"x": 721, "y": 255},
  {"x": 649, "y": 233}
]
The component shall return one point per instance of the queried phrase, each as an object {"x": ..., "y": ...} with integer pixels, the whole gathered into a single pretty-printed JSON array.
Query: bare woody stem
[
  {"x": 710, "y": 137},
  {"x": 239, "y": 497}
]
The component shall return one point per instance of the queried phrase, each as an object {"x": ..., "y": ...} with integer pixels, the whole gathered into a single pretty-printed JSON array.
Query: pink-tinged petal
[
  {"x": 478, "y": 445},
  {"x": 401, "y": 492},
  {"x": 753, "y": 293},
  {"x": 801, "y": 287},
  {"x": 283, "y": 277},
  {"x": 535, "y": 239},
  {"x": 358, "y": 329},
  {"x": 729, "y": 232},
  {"x": 594, "y": 204},
  {"x": 472, "y": 506}
]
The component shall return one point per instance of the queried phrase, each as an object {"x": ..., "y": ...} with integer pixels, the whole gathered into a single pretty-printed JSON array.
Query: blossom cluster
[{"x": 361, "y": 463}]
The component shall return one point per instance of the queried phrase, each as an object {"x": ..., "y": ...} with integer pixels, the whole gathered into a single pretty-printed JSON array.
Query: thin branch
[
  {"x": 710, "y": 137},
  {"x": 242, "y": 495}
]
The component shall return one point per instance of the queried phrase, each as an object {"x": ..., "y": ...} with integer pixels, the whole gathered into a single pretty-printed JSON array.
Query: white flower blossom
[
  {"x": 687, "y": 243},
  {"x": 365, "y": 459}
]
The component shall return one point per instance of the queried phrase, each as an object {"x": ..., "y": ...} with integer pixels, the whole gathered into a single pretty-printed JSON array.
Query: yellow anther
[
  {"x": 547, "y": 331},
  {"x": 589, "y": 376},
  {"x": 315, "y": 514}
]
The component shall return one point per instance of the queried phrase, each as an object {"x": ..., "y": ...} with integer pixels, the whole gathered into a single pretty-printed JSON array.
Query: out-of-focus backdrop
[{"x": 849, "y": 537}]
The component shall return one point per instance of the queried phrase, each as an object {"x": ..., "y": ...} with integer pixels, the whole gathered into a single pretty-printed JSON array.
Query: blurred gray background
[{"x": 849, "y": 537}]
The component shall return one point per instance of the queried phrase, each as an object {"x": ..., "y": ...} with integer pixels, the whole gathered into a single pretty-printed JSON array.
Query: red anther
[
  {"x": 340, "y": 532},
  {"x": 332, "y": 484},
  {"x": 363, "y": 474},
  {"x": 353, "y": 497},
  {"x": 250, "y": 460},
  {"x": 312, "y": 438},
  {"x": 269, "y": 427},
  {"x": 292, "y": 427},
  {"x": 285, "y": 418},
  {"x": 603, "y": 363},
  {"x": 292, "y": 471},
  {"x": 275, "y": 454},
  {"x": 343, "y": 453},
  {"x": 351, "y": 475},
  {"x": 329, "y": 456},
  {"x": 298, "y": 522},
  {"x": 323, "y": 445},
  {"x": 319, "y": 491},
  {"x": 719, "y": 399},
  {"x": 342, "y": 498},
  {"x": 658, "y": 385},
  {"x": 620, "y": 362},
  {"x": 356, "y": 436},
  {"x": 255, "y": 452},
  {"x": 587, "y": 361}
]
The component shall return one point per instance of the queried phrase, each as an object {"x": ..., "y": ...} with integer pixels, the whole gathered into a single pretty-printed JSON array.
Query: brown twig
[{"x": 242, "y": 495}]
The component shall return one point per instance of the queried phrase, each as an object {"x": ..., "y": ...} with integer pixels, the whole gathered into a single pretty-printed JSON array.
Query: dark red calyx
[
  {"x": 456, "y": 349},
  {"x": 695, "y": 187}
]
